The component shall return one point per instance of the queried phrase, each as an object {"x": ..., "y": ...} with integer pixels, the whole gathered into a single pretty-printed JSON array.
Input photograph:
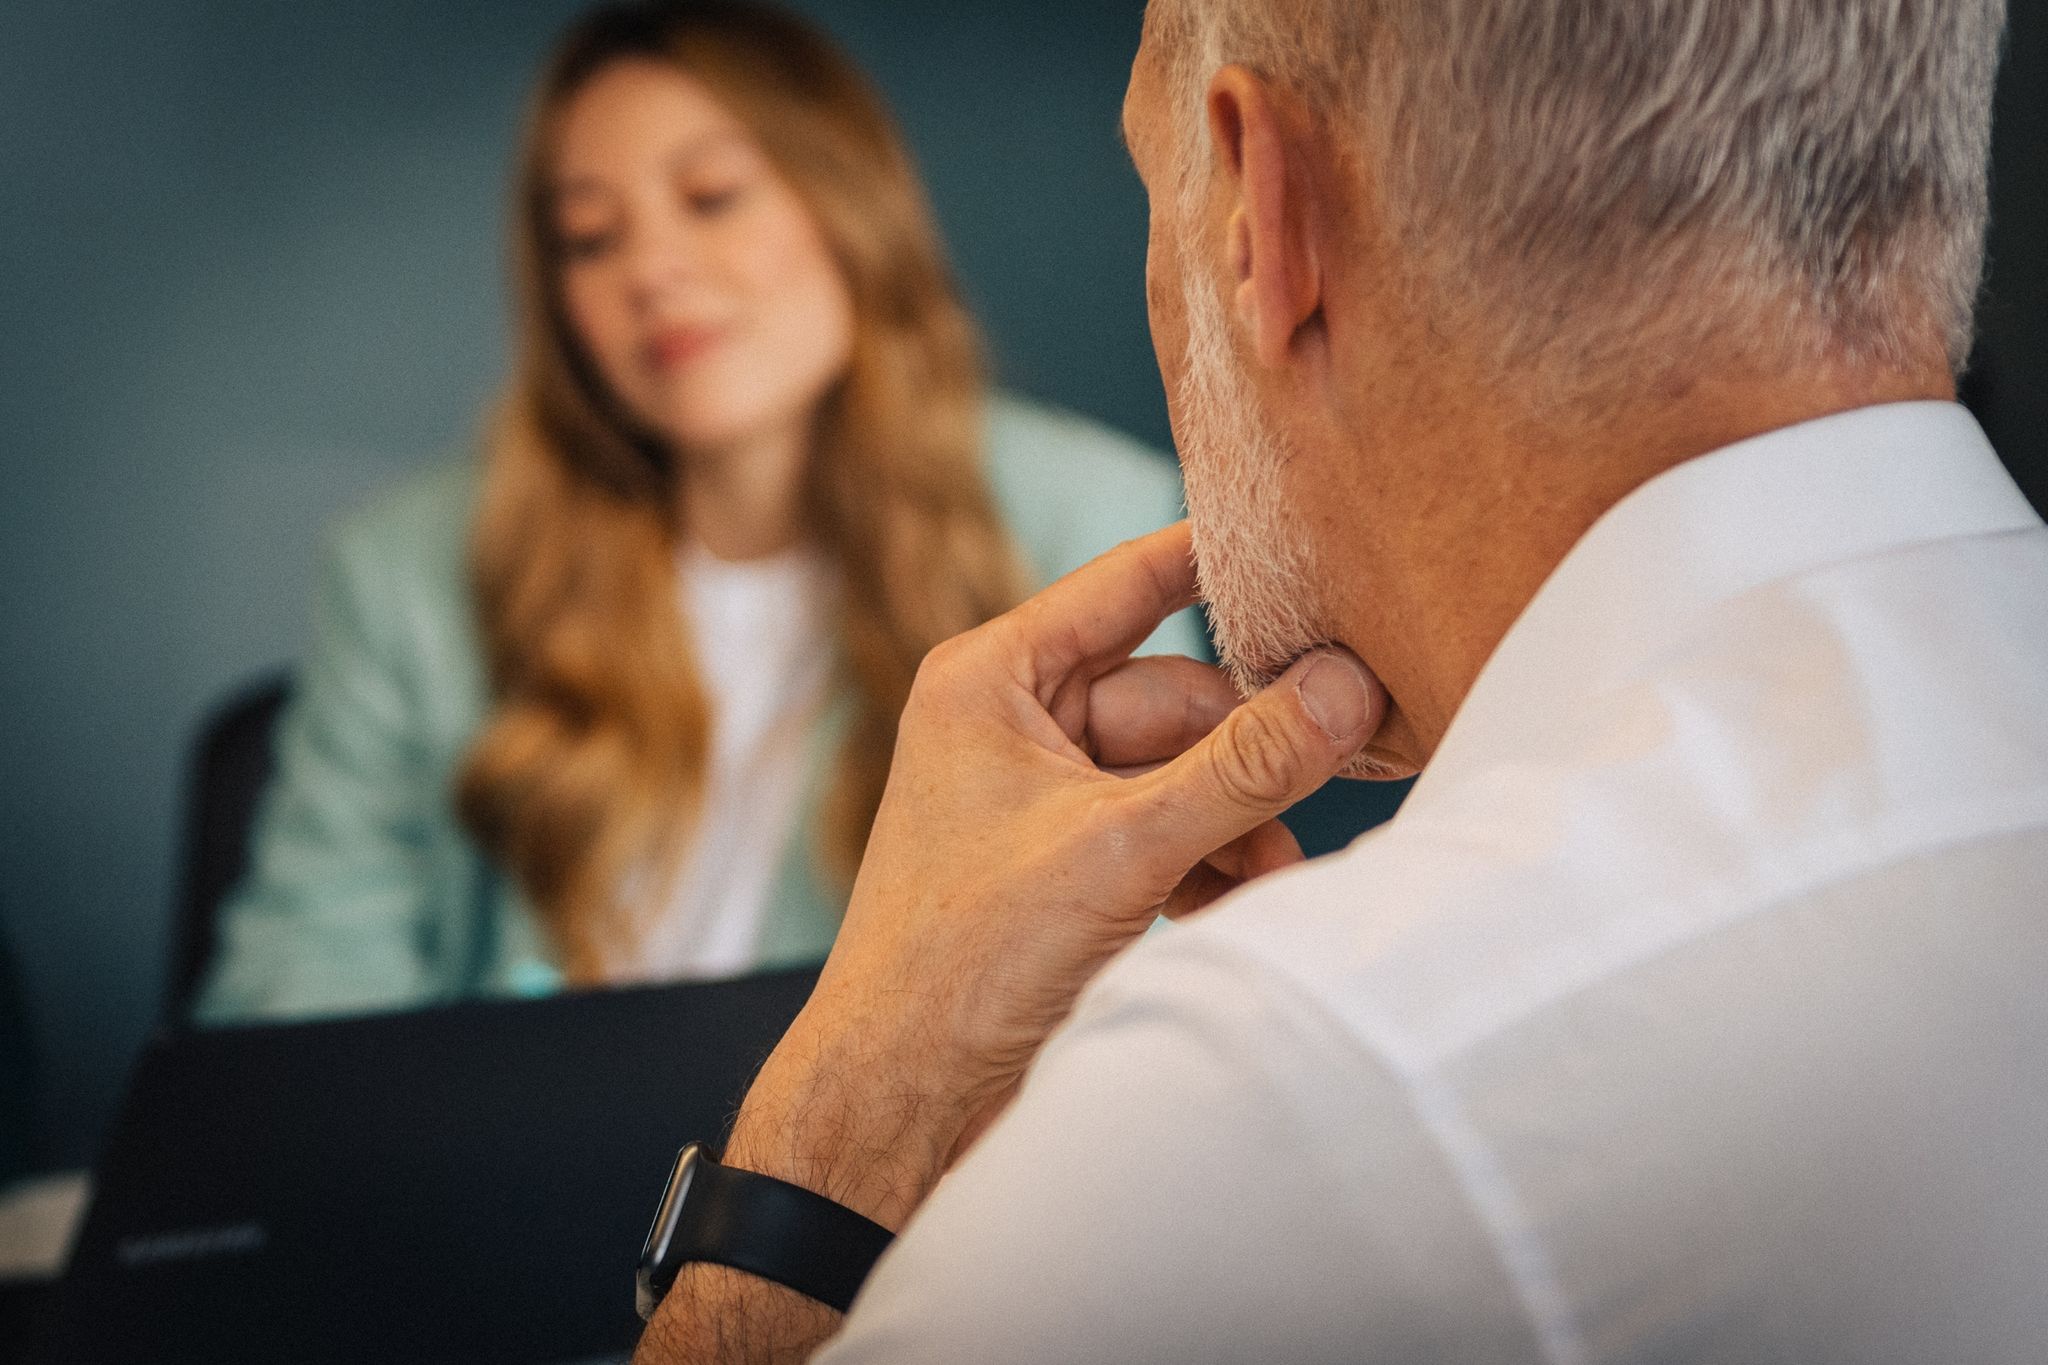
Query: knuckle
[
  {"x": 941, "y": 664},
  {"x": 1108, "y": 823},
  {"x": 1255, "y": 765},
  {"x": 1120, "y": 836}
]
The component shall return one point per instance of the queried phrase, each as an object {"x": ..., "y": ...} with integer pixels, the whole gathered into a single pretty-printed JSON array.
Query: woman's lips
[{"x": 674, "y": 347}]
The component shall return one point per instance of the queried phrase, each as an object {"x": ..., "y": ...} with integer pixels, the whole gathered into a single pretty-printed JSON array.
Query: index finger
[{"x": 1094, "y": 617}]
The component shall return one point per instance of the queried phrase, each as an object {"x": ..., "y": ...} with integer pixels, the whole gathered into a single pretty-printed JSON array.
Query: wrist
[{"x": 843, "y": 1113}]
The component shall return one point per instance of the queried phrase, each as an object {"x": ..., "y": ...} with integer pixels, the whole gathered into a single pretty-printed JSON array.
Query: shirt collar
[{"x": 1713, "y": 528}]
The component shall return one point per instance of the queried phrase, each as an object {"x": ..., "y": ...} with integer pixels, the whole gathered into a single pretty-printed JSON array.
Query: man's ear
[{"x": 1270, "y": 235}]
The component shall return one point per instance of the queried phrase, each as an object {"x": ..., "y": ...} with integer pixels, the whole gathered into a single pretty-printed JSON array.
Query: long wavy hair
[{"x": 588, "y": 774}]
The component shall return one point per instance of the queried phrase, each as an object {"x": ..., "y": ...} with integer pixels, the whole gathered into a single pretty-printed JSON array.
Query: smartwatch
[{"x": 756, "y": 1223}]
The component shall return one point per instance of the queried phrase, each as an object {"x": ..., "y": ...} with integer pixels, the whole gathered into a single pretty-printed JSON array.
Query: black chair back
[
  {"x": 231, "y": 764},
  {"x": 19, "y": 1151}
]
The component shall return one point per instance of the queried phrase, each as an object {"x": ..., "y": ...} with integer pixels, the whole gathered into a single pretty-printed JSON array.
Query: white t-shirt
[
  {"x": 1694, "y": 1008},
  {"x": 763, "y": 637}
]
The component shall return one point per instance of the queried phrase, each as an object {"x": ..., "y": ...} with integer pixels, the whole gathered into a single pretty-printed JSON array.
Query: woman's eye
[
  {"x": 584, "y": 246},
  {"x": 711, "y": 203}
]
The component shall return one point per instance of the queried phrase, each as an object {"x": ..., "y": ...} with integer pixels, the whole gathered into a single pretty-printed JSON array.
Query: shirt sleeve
[
  {"x": 1201, "y": 1167},
  {"x": 330, "y": 918}
]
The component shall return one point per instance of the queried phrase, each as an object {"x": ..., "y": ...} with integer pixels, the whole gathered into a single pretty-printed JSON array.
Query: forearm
[{"x": 727, "y": 1316}]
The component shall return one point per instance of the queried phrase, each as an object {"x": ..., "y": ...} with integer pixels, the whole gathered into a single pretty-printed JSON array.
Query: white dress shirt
[
  {"x": 764, "y": 641},
  {"x": 1694, "y": 1008}
]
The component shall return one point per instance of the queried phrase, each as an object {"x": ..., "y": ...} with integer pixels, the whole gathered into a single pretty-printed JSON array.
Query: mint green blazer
[{"x": 364, "y": 893}]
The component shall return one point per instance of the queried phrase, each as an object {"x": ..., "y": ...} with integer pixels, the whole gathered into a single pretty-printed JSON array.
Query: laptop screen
[{"x": 462, "y": 1183}]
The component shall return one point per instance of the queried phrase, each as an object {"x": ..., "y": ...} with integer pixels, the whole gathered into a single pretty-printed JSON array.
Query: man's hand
[{"x": 1049, "y": 797}]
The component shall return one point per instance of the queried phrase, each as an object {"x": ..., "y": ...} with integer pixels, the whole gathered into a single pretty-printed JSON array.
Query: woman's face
[{"x": 696, "y": 279}]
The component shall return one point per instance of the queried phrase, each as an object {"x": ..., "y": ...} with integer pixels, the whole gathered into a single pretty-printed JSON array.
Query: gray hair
[{"x": 1584, "y": 177}]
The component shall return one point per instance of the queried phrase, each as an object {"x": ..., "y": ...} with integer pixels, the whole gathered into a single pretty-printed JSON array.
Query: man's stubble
[
  {"x": 1251, "y": 566},
  {"x": 1254, "y": 566}
]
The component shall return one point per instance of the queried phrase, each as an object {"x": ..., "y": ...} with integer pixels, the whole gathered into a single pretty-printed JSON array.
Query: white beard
[{"x": 1251, "y": 565}]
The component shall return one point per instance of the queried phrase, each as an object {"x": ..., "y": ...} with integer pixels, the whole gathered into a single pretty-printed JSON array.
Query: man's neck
[{"x": 1445, "y": 569}]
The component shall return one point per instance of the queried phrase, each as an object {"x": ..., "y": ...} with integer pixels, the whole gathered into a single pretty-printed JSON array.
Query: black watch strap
[{"x": 764, "y": 1226}]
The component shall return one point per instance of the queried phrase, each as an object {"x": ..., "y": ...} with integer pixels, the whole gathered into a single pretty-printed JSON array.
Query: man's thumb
[{"x": 1268, "y": 754}]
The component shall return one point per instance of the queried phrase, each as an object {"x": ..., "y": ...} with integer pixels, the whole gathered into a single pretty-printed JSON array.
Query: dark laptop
[{"x": 454, "y": 1184}]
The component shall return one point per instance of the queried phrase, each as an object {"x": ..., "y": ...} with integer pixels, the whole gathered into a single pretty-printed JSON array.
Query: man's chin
[
  {"x": 1377, "y": 762},
  {"x": 1374, "y": 764},
  {"x": 1253, "y": 675}
]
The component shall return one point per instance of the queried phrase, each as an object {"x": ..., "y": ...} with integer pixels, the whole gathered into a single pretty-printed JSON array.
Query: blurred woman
[{"x": 618, "y": 704}]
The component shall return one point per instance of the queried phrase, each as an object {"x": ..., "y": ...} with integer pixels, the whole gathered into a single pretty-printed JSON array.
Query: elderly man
[{"x": 1584, "y": 367}]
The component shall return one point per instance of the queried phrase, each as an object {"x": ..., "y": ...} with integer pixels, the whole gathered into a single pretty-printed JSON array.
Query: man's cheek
[
  {"x": 1164, "y": 297},
  {"x": 1170, "y": 349}
]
